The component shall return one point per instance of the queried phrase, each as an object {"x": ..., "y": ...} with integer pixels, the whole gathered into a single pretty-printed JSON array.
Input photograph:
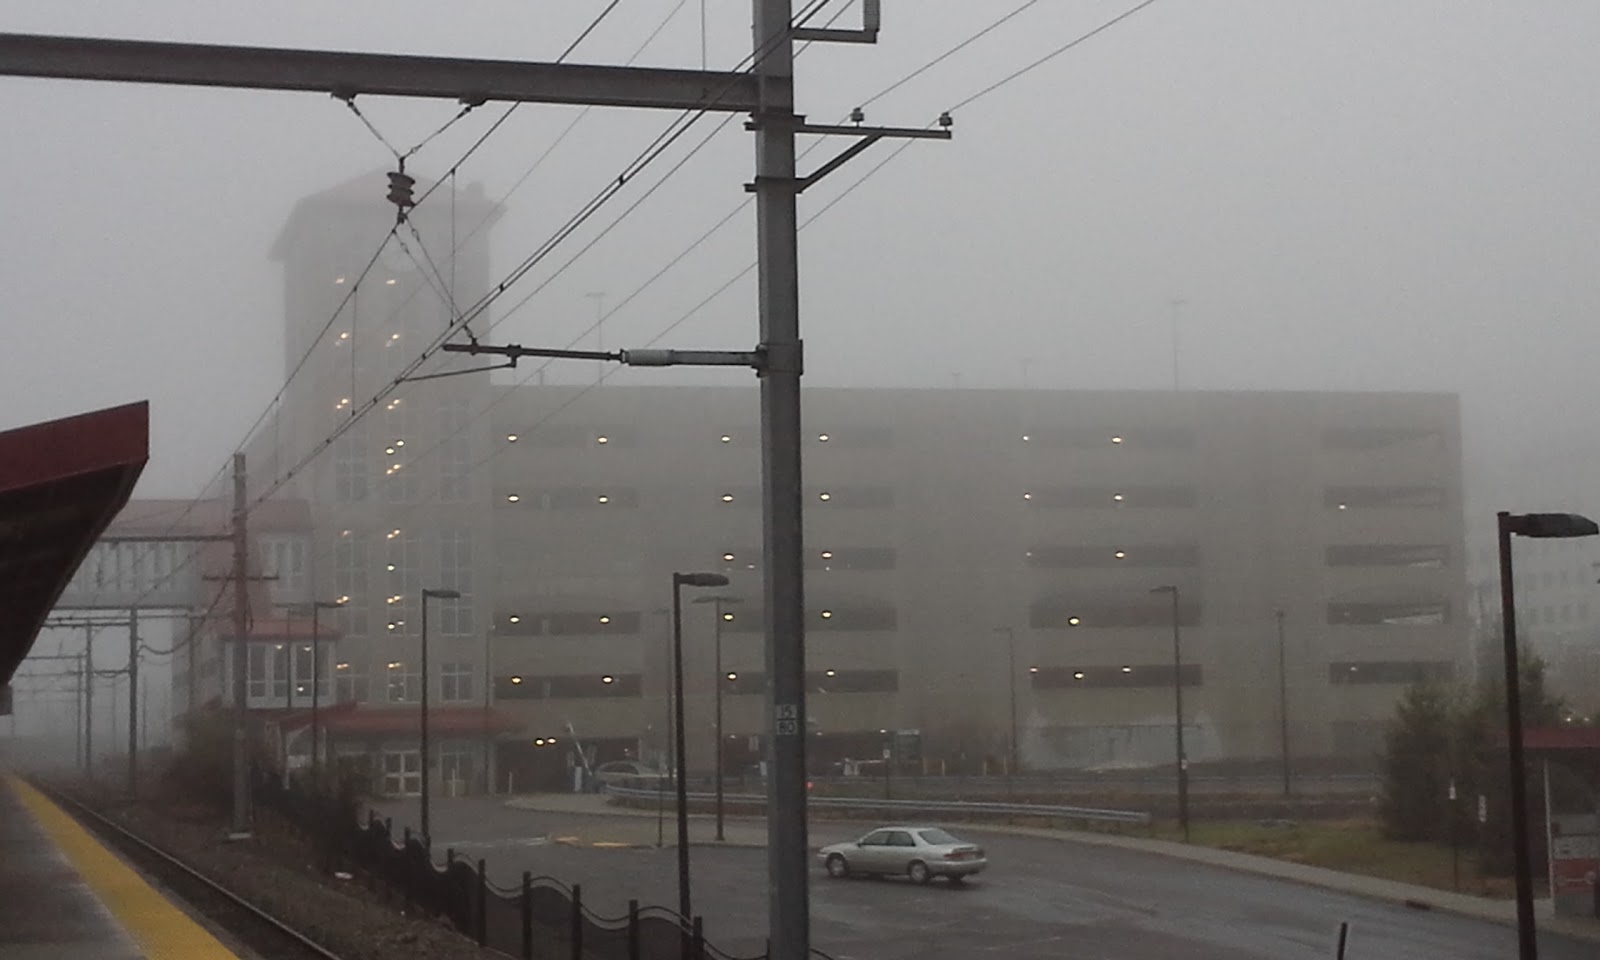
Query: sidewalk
[{"x": 752, "y": 832}]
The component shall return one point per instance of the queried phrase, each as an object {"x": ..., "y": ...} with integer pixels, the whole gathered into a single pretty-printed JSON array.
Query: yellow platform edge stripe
[{"x": 161, "y": 930}]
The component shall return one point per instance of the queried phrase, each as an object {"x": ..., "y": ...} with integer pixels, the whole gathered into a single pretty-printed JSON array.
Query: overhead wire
[{"x": 652, "y": 152}]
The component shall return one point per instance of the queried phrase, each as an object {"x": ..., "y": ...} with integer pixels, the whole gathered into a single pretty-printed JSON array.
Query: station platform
[{"x": 65, "y": 896}]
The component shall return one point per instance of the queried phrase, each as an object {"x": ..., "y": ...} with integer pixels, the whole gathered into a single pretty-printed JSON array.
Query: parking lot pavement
[{"x": 1042, "y": 898}]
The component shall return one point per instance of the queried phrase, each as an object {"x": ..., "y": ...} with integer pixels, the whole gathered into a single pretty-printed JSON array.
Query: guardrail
[{"x": 956, "y": 807}]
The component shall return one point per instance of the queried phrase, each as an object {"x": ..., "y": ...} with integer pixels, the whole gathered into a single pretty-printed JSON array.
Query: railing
[
  {"x": 543, "y": 919},
  {"x": 952, "y": 807}
]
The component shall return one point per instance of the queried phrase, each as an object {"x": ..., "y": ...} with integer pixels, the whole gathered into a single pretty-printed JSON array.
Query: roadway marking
[{"x": 160, "y": 928}]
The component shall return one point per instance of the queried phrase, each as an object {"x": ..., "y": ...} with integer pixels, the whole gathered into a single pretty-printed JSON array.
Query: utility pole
[
  {"x": 88, "y": 701},
  {"x": 241, "y": 656},
  {"x": 133, "y": 702},
  {"x": 77, "y": 713}
]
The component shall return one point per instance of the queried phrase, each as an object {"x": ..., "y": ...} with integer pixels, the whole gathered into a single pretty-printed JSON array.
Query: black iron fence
[{"x": 544, "y": 919}]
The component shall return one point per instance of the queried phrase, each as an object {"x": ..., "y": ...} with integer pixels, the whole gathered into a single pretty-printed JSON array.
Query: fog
[{"x": 1364, "y": 195}]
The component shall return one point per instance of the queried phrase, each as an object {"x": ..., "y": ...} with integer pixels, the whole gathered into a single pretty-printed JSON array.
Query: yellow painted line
[
  {"x": 161, "y": 930},
  {"x": 611, "y": 844}
]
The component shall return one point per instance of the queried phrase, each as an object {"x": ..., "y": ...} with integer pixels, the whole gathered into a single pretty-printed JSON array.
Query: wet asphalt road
[{"x": 1040, "y": 899}]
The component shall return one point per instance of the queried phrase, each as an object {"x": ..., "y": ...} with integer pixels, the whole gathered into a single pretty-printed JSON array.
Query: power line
[{"x": 946, "y": 55}]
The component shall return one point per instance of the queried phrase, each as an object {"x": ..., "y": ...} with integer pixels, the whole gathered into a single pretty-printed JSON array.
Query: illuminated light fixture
[
  {"x": 831, "y": 672},
  {"x": 338, "y": 279},
  {"x": 827, "y": 614},
  {"x": 1117, "y": 497},
  {"x": 883, "y": 731},
  {"x": 389, "y": 567},
  {"x": 514, "y": 618},
  {"x": 516, "y": 679},
  {"x": 394, "y": 336},
  {"x": 727, "y": 498},
  {"x": 1116, "y": 439},
  {"x": 602, "y": 439},
  {"x": 343, "y": 599},
  {"x": 1033, "y": 669},
  {"x": 824, "y": 495},
  {"x": 395, "y": 664},
  {"x": 608, "y": 678},
  {"x": 602, "y": 499},
  {"x": 344, "y": 334},
  {"x": 1077, "y": 674},
  {"x": 277, "y": 646},
  {"x": 396, "y": 466},
  {"x": 822, "y": 437},
  {"x": 511, "y": 438},
  {"x": 389, "y": 450},
  {"x": 389, "y": 600},
  {"x": 1127, "y": 669},
  {"x": 512, "y": 498},
  {"x": 732, "y": 675},
  {"x": 1120, "y": 555},
  {"x": 1027, "y": 496},
  {"x": 726, "y": 438},
  {"x": 1073, "y": 621},
  {"x": 391, "y": 626},
  {"x": 399, "y": 443},
  {"x": 727, "y": 616},
  {"x": 341, "y": 666},
  {"x": 550, "y": 740},
  {"x": 827, "y": 554},
  {"x": 1026, "y": 438},
  {"x": 727, "y": 556},
  {"x": 539, "y": 742},
  {"x": 1344, "y": 506},
  {"x": 395, "y": 532},
  {"x": 344, "y": 533},
  {"x": 605, "y": 619},
  {"x": 390, "y": 282}
]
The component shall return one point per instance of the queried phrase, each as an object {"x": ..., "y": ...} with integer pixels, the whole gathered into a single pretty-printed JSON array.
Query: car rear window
[{"x": 937, "y": 837}]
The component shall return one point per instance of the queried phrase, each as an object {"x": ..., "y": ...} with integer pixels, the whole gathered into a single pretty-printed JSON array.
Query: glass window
[
  {"x": 455, "y": 450},
  {"x": 455, "y": 573},
  {"x": 350, "y": 682},
  {"x": 350, "y": 465},
  {"x": 404, "y": 683},
  {"x": 455, "y": 681},
  {"x": 350, "y": 556}
]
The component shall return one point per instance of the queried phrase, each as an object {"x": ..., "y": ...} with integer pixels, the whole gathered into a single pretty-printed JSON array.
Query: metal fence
[
  {"x": 544, "y": 919},
  {"x": 958, "y": 808}
]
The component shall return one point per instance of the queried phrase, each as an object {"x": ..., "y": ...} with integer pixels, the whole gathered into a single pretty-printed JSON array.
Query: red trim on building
[
  {"x": 61, "y": 483},
  {"x": 1561, "y": 738},
  {"x": 351, "y": 720}
]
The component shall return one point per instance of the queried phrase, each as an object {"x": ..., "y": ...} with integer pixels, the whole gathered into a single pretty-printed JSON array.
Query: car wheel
[
  {"x": 918, "y": 872},
  {"x": 837, "y": 867}
]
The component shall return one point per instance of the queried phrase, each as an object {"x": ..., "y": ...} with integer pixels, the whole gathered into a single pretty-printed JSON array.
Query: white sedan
[{"x": 920, "y": 853}]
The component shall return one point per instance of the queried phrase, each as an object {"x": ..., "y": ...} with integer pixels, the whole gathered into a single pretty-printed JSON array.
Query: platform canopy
[{"x": 61, "y": 483}]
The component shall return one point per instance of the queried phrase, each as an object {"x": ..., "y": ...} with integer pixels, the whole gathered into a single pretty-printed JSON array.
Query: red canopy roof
[{"x": 60, "y": 484}]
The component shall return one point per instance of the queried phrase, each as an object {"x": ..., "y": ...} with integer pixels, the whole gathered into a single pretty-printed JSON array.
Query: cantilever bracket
[
  {"x": 871, "y": 21},
  {"x": 868, "y": 135}
]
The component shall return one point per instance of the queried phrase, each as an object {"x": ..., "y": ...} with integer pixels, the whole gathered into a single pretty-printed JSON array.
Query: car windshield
[{"x": 937, "y": 837}]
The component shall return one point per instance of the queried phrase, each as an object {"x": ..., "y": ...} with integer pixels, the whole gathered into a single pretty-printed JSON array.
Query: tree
[{"x": 1416, "y": 764}]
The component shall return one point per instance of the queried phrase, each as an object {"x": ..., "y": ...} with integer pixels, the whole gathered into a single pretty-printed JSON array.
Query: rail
[{"x": 956, "y": 807}]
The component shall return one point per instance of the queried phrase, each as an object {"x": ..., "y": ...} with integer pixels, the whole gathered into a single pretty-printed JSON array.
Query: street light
[
  {"x": 1177, "y": 697},
  {"x": 719, "y": 600},
  {"x": 317, "y": 606},
  {"x": 679, "y": 581},
  {"x": 1011, "y": 674},
  {"x": 1538, "y": 526},
  {"x": 427, "y": 835}
]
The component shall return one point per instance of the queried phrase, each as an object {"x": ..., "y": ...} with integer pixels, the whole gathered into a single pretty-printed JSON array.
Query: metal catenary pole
[
  {"x": 778, "y": 284},
  {"x": 133, "y": 701}
]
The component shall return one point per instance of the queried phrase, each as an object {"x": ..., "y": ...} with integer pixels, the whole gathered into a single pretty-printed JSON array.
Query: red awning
[
  {"x": 61, "y": 483},
  {"x": 404, "y": 721}
]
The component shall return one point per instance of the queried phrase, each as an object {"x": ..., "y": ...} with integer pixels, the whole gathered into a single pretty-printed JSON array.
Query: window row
[
  {"x": 589, "y": 498},
  {"x": 827, "y": 558},
  {"x": 397, "y": 558},
  {"x": 569, "y": 437},
  {"x": 754, "y": 682},
  {"x": 1403, "y": 672},
  {"x": 274, "y": 679},
  {"x": 1125, "y": 675}
]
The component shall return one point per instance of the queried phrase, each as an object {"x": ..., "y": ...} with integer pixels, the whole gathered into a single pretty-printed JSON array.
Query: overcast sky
[{"x": 1363, "y": 194}]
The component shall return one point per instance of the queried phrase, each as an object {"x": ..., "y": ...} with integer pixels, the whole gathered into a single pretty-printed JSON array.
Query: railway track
[{"x": 266, "y": 935}]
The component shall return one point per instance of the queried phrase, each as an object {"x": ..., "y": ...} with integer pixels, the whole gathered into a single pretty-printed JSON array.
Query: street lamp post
[
  {"x": 1011, "y": 676},
  {"x": 317, "y": 606},
  {"x": 1283, "y": 703},
  {"x": 427, "y": 834},
  {"x": 1177, "y": 697},
  {"x": 1539, "y": 526},
  {"x": 679, "y": 581},
  {"x": 716, "y": 632}
]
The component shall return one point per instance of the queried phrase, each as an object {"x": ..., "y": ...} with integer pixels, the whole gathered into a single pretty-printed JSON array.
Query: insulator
[{"x": 400, "y": 187}]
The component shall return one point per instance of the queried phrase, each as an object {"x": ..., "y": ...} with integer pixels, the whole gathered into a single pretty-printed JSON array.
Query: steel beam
[{"x": 373, "y": 74}]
